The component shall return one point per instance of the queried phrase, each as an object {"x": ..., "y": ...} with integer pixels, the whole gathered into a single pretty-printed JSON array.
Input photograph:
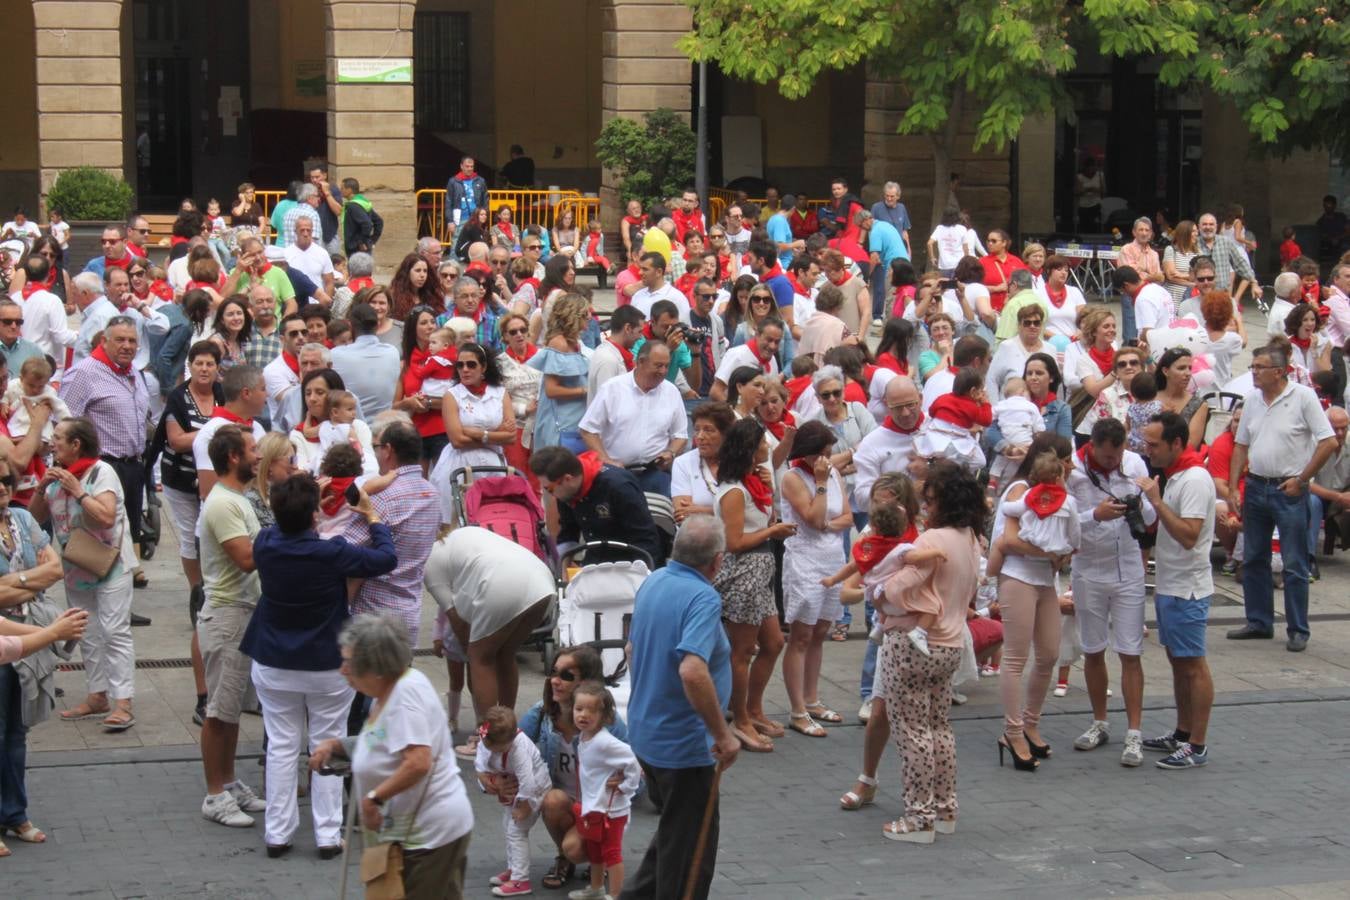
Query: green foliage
[
  {"x": 654, "y": 160},
  {"x": 90, "y": 194}
]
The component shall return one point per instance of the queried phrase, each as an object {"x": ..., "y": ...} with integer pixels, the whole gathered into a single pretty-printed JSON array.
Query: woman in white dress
[
  {"x": 522, "y": 382},
  {"x": 693, "y": 476},
  {"x": 1062, "y": 300},
  {"x": 479, "y": 420},
  {"x": 813, "y": 500},
  {"x": 304, "y": 437}
]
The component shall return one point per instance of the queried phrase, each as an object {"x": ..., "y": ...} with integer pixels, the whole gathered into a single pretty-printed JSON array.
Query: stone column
[
  {"x": 370, "y": 126},
  {"x": 641, "y": 70},
  {"x": 79, "y": 86}
]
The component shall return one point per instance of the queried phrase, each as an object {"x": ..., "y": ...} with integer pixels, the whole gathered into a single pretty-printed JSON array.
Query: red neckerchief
[
  {"x": 633, "y": 221},
  {"x": 626, "y": 354},
  {"x": 81, "y": 465},
  {"x": 779, "y": 428},
  {"x": 591, "y": 466},
  {"x": 796, "y": 387},
  {"x": 962, "y": 411},
  {"x": 291, "y": 362},
  {"x": 309, "y": 421},
  {"x": 141, "y": 253},
  {"x": 955, "y": 370},
  {"x": 508, "y": 230},
  {"x": 332, "y": 502},
  {"x": 1105, "y": 359},
  {"x": 530, "y": 350},
  {"x": 139, "y": 296},
  {"x": 118, "y": 263},
  {"x": 840, "y": 282},
  {"x": 1042, "y": 403},
  {"x": 1189, "y": 459},
  {"x": 1057, "y": 298},
  {"x": 1035, "y": 273},
  {"x": 161, "y": 289},
  {"x": 1090, "y": 461},
  {"x": 870, "y": 550},
  {"x": 759, "y": 492},
  {"x": 1045, "y": 499},
  {"x": 531, "y": 281},
  {"x": 102, "y": 356},
  {"x": 1312, "y": 293},
  {"x": 359, "y": 283},
  {"x": 223, "y": 412},
  {"x": 460, "y": 176},
  {"x": 764, "y": 361},
  {"x": 477, "y": 390},
  {"x": 1302, "y": 343},
  {"x": 889, "y": 424},
  {"x": 797, "y": 288},
  {"x": 724, "y": 266},
  {"x": 30, "y": 287},
  {"x": 266, "y": 267},
  {"x": 887, "y": 360},
  {"x": 772, "y": 273}
]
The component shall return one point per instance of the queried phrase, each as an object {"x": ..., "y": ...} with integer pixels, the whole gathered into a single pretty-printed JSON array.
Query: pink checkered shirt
[
  {"x": 118, "y": 405},
  {"x": 411, "y": 509}
]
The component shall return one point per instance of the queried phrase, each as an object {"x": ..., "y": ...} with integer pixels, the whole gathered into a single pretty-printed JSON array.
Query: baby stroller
[
  {"x": 504, "y": 503},
  {"x": 596, "y": 608}
]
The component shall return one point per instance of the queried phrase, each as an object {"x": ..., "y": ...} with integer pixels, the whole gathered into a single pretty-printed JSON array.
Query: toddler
[
  {"x": 445, "y": 645},
  {"x": 339, "y": 333},
  {"x": 341, "y": 465},
  {"x": 593, "y": 247},
  {"x": 343, "y": 427},
  {"x": 603, "y": 811},
  {"x": 954, "y": 421},
  {"x": 1019, "y": 420},
  {"x": 213, "y": 216},
  {"x": 437, "y": 373},
  {"x": 1069, "y": 649},
  {"x": 879, "y": 555},
  {"x": 1143, "y": 407},
  {"x": 59, "y": 228},
  {"x": 1289, "y": 248},
  {"x": 32, "y": 384},
  {"x": 504, "y": 750},
  {"x": 1047, "y": 517}
]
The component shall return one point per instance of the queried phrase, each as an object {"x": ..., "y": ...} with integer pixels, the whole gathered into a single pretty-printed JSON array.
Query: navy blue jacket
[{"x": 304, "y": 595}]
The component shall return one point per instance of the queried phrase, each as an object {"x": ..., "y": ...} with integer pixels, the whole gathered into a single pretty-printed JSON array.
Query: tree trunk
[{"x": 942, "y": 144}]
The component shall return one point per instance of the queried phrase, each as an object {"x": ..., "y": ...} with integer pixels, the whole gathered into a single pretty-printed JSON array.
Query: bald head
[
  {"x": 903, "y": 402},
  {"x": 478, "y": 252}
]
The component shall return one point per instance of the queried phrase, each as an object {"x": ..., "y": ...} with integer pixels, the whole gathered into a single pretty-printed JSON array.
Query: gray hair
[
  {"x": 1287, "y": 285},
  {"x": 385, "y": 419},
  {"x": 1142, "y": 220},
  {"x": 360, "y": 264},
  {"x": 316, "y": 347},
  {"x": 478, "y": 252},
  {"x": 1021, "y": 279},
  {"x": 464, "y": 283},
  {"x": 120, "y": 322},
  {"x": 379, "y": 645},
  {"x": 891, "y": 186},
  {"x": 698, "y": 541},
  {"x": 307, "y": 192},
  {"x": 826, "y": 373},
  {"x": 424, "y": 244},
  {"x": 89, "y": 283},
  {"x": 1276, "y": 354}
]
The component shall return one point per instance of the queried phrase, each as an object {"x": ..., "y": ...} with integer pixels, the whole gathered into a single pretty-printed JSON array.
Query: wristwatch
[
  {"x": 374, "y": 798},
  {"x": 820, "y": 489},
  {"x": 23, "y": 579}
]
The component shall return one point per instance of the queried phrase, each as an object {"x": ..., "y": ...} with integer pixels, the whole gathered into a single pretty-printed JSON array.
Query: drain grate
[{"x": 181, "y": 662}]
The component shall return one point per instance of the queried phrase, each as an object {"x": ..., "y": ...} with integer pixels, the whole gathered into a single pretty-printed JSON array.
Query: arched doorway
[{"x": 19, "y": 138}]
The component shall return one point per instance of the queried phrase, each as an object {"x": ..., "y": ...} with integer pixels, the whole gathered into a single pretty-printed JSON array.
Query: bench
[
  {"x": 161, "y": 228},
  {"x": 598, "y": 271}
]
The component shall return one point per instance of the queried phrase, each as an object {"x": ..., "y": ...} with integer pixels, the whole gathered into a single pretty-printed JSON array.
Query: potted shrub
[
  {"x": 90, "y": 199},
  {"x": 653, "y": 159}
]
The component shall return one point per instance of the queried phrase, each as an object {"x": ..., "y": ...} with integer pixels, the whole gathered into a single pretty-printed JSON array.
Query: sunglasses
[
  {"x": 831, "y": 395},
  {"x": 1199, "y": 279},
  {"x": 704, "y": 296},
  {"x": 563, "y": 674},
  {"x": 140, "y": 230},
  {"x": 1128, "y": 364},
  {"x": 110, "y": 240},
  {"x": 300, "y": 332},
  {"x": 11, "y": 321},
  {"x": 760, "y": 298},
  {"x": 8, "y": 482},
  {"x": 1034, "y": 323},
  {"x": 449, "y": 276},
  {"x": 533, "y": 247},
  {"x": 138, "y": 273},
  {"x": 514, "y": 332},
  {"x": 466, "y": 364}
]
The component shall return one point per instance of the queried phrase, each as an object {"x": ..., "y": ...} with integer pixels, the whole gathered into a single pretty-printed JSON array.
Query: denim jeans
[
  {"x": 869, "y": 666},
  {"x": 1316, "y": 511},
  {"x": 1266, "y": 508},
  {"x": 1129, "y": 332},
  {"x": 880, "y": 281},
  {"x": 13, "y": 750}
]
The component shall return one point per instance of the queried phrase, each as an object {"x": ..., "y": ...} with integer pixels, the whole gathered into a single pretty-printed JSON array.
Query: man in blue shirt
[
  {"x": 889, "y": 209},
  {"x": 885, "y": 245},
  {"x": 681, "y": 681},
  {"x": 780, "y": 232},
  {"x": 369, "y": 367},
  {"x": 764, "y": 265}
]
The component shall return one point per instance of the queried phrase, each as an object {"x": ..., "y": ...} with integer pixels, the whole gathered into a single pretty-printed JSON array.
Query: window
[{"x": 441, "y": 70}]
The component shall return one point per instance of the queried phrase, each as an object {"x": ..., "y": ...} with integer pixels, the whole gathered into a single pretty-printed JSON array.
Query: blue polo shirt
[
  {"x": 780, "y": 232},
  {"x": 886, "y": 241},
  {"x": 677, "y": 611}
]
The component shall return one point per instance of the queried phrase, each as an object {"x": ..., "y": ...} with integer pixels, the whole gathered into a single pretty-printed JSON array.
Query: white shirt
[
  {"x": 937, "y": 384},
  {"x": 605, "y": 363},
  {"x": 1335, "y": 473},
  {"x": 27, "y": 232},
  {"x": 45, "y": 323},
  {"x": 950, "y": 240},
  {"x": 1275, "y": 321},
  {"x": 1108, "y": 554},
  {"x": 600, "y": 757},
  {"x": 691, "y": 477},
  {"x": 1181, "y": 572},
  {"x": 1153, "y": 307},
  {"x": 635, "y": 426},
  {"x": 1062, "y": 319},
  {"x": 1009, "y": 359},
  {"x": 314, "y": 261},
  {"x": 202, "y": 440},
  {"x": 876, "y": 393},
  {"x": 881, "y": 452},
  {"x": 644, "y": 299},
  {"x": 1280, "y": 437},
  {"x": 742, "y": 356},
  {"x": 1221, "y": 352},
  {"x": 177, "y": 275},
  {"x": 279, "y": 378}
]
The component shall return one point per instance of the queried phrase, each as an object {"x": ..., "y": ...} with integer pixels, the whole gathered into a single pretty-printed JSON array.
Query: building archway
[{"x": 19, "y": 183}]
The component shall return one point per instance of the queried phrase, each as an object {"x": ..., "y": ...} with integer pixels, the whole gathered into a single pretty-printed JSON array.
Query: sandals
[
  {"x": 822, "y": 713},
  {"x": 5, "y": 851},
  {"x": 469, "y": 749},
  {"x": 754, "y": 743},
  {"x": 839, "y": 632},
  {"x": 907, "y": 832},
  {"x": 802, "y": 723},
  {"x": 767, "y": 728},
  {"x": 84, "y": 711},
  {"x": 119, "y": 720},
  {"x": 562, "y": 872},
  {"x": 140, "y": 580},
  {"x": 27, "y": 832},
  {"x": 853, "y": 800}
]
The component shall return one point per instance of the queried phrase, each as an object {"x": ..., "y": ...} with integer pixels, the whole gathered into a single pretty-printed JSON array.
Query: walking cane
[
  {"x": 347, "y": 838},
  {"x": 692, "y": 880}
]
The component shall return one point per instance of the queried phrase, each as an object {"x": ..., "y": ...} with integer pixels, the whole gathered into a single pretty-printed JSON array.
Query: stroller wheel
[
  {"x": 548, "y": 651},
  {"x": 147, "y": 550}
]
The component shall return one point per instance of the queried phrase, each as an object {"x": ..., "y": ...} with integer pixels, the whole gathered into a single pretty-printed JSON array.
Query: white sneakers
[
  {"x": 865, "y": 711},
  {"x": 223, "y": 809},
  {"x": 1133, "y": 754},
  {"x": 245, "y": 796},
  {"x": 1098, "y": 733}
]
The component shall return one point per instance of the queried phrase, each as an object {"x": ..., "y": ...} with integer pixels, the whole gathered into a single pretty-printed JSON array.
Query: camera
[
  {"x": 1134, "y": 516},
  {"x": 692, "y": 336}
]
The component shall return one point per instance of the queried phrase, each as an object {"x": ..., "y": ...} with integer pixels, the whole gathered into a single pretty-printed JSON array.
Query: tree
[{"x": 654, "y": 161}]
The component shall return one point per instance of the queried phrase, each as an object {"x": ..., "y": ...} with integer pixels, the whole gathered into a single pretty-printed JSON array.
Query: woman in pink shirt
[{"x": 918, "y": 687}]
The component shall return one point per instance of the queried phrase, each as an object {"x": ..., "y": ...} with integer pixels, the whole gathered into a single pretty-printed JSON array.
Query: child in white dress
[
  {"x": 438, "y": 372},
  {"x": 1019, "y": 420},
  {"x": 954, "y": 423},
  {"x": 504, "y": 750},
  {"x": 343, "y": 427},
  {"x": 1047, "y": 515},
  {"x": 32, "y": 384},
  {"x": 603, "y": 811}
]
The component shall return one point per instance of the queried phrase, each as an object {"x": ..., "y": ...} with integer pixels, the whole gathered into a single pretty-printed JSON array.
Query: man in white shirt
[
  {"x": 1284, "y": 439},
  {"x": 1338, "y": 304},
  {"x": 1329, "y": 493},
  {"x": 245, "y": 400},
  {"x": 119, "y": 301},
  {"x": 283, "y": 373},
  {"x": 1287, "y": 288},
  {"x": 44, "y": 315},
  {"x": 652, "y": 271},
  {"x": 638, "y": 419},
  {"x": 890, "y": 447},
  {"x": 306, "y": 209},
  {"x": 971, "y": 351},
  {"x": 306, "y": 255},
  {"x": 21, "y": 227},
  {"x": 291, "y": 406},
  {"x": 1185, "y": 584},
  {"x": 1108, "y": 580},
  {"x": 1153, "y": 306},
  {"x": 760, "y": 353},
  {"x": 614, "y": 356}
]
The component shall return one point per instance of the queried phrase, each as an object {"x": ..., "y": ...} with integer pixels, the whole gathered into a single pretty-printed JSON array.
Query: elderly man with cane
[{"x": 681, "y": 682}]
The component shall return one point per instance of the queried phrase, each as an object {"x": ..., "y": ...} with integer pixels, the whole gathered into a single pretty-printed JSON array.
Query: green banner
[{"x": 375, "y": 71}]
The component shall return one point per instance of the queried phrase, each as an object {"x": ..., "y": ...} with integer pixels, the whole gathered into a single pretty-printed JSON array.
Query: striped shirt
[
  {"x": 261, "y": 350},
  {"x": 118, "y": 405},
  {"x": 411, "y": 509},
  {"x": 1228, "y": 258}
]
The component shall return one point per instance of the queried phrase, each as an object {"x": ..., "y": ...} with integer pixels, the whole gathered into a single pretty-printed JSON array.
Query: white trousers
[
  {"x": 106, "y": 648},
  {"x": 291, "y": 699},
  {"x": 518, "y": 843}
]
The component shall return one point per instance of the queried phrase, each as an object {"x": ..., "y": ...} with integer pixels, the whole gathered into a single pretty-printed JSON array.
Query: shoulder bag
[
  {"x": 382, "y": 864},
  {"x": 84, "y": 551}
]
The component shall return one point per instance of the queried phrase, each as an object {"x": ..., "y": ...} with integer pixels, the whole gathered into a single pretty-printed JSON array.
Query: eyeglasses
[
  {"x": 469, "y": 364},
  {"x": 1200, "y": 278},
  {"x": 760, "y": 298},
  {"x": 1128, "y": 364},
  {"x": 902, "y": 407},
  {"x": 515, "y": 332},
  {"x": 500, "y": 262},
  {"x": 705, "y": 296},
  {"x": 533, "y": 247},
  {"x": 449, "y": 276},
  {"x": 140, "y": 230},
  {"x": 563, "y": 675},
  {"x": 830, "y": 395},
  {"x": 1034, "y": 323},
  {"x": 299, "y": 332},
  {"x": 139, "y": 273},
  {"x": 1257, "y": 367},
  {"x": 377, "y": 446},
  {"x": 110, "y": 240},
  {"x": 11, "y": 321}
]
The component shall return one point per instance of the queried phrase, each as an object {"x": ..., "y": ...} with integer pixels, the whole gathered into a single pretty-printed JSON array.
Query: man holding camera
[{"x": 1108, "y": 578}]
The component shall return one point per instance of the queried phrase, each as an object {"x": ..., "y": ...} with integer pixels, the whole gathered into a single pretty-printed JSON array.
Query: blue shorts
[{"x": 1181, "y": 624}]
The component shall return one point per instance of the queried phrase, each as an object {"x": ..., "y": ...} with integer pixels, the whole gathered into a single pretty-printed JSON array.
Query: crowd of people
[{"x": 787, "y": 419}]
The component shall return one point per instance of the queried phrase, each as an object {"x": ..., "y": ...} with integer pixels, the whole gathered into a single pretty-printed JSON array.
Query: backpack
[{"x": 376, "y": 226}]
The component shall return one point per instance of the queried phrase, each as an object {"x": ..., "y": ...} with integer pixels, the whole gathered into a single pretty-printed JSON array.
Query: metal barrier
[
  {"x": 528, "y": 207},
  {"x": 268, "y": 201},
  {"x": 720, "y": 198}
]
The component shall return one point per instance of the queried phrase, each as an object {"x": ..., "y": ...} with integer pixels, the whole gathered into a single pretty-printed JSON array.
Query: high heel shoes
[
  {"x": 1039, "y": 751},
  {"x": 1020, "y": 763}
]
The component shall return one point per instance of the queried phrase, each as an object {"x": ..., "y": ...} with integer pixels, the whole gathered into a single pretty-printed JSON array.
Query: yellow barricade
[{"x": 528, "y": 207}]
